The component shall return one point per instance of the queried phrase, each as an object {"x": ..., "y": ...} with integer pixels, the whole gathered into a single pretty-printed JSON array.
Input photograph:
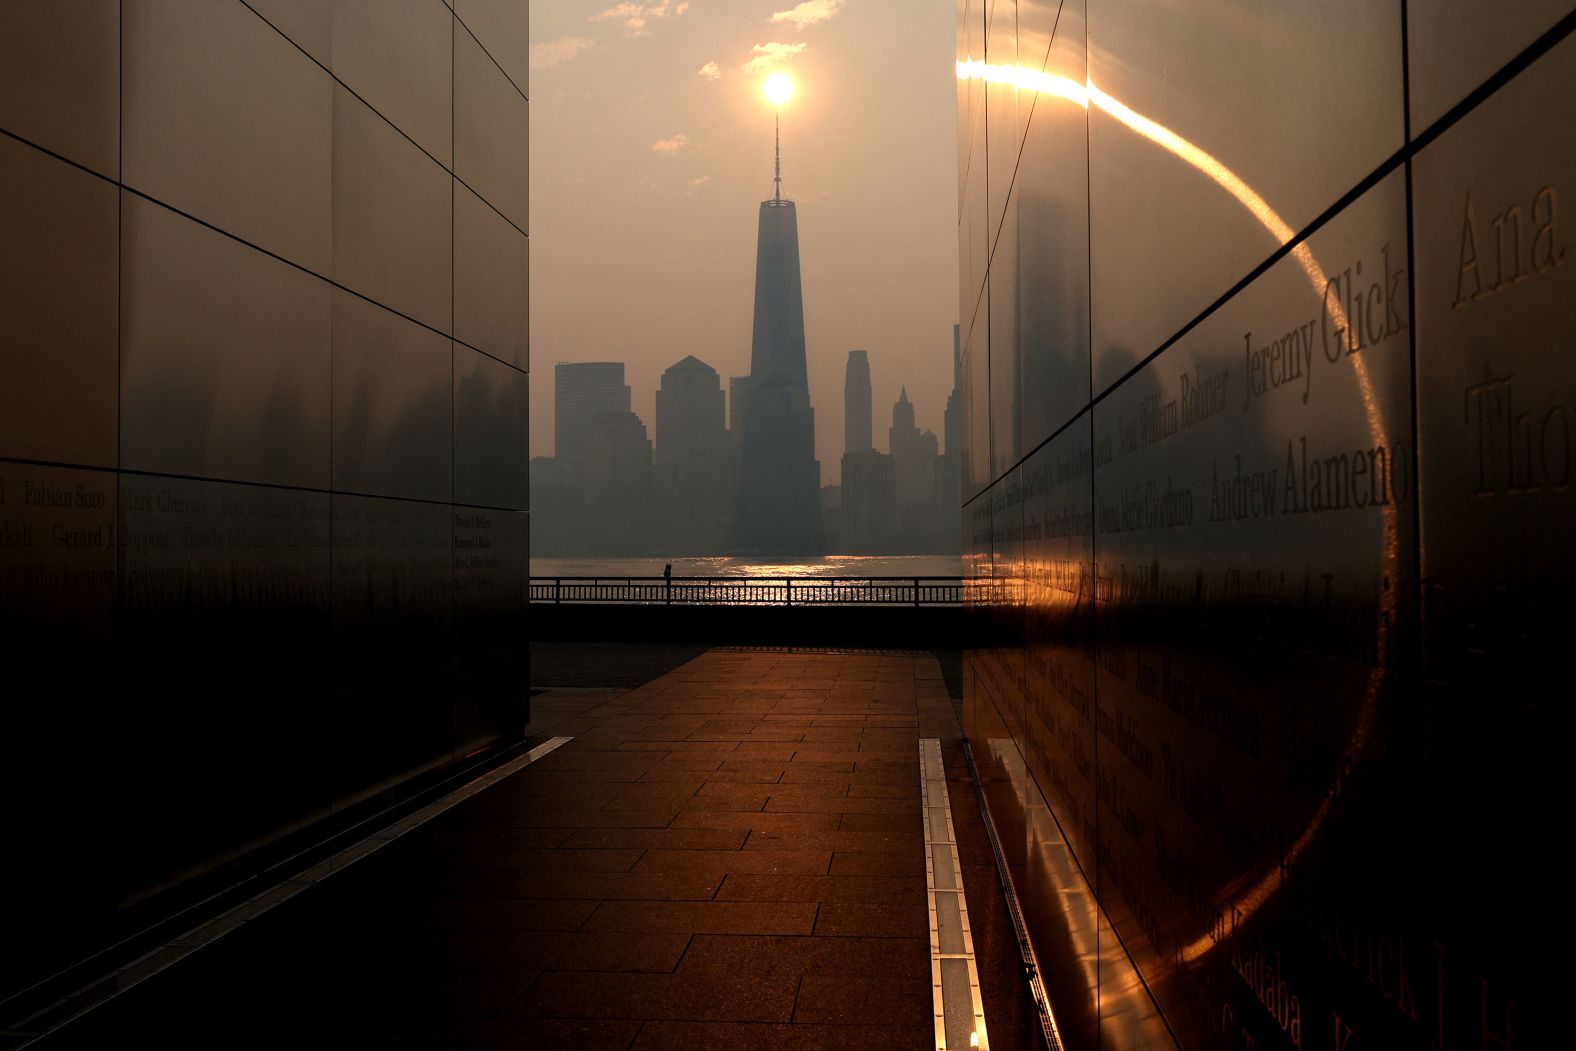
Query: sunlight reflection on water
[{"x": 729, "y": 566}]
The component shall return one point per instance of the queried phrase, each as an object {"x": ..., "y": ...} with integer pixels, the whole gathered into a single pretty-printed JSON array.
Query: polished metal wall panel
[
  {"x": 60, "y": 78},
  {"x": 1039, "y": 23},
  {"x": 492, "y": 565},
  {"x": 1254, "y": 553},
  {"x": 1004, "y": 116},
  {"x": 492, "y": 270},
  {"x": 973, "y": 221},
  {"x": 503, "y": 28},
  {"x": 392, "y": 602},
  {"x": 229, "y": 548},
  {"x": 58, "y": 268},
  {"x": 397, "y": 56},
  {"x": 393, "y": 216},
  {"x": 1496, "y": 265},
  {"x": 57, "y": 608},
  {"x": 393, "y": 404},
  {"x": 1059, "y": 658},
  {"x": 1497, "y": 273},
  {"x": 976, "y": 410},
  {"x": 1059, "y": 907},
  {"x": 1328, "y": 541},
  {"x": 492, "y": 570},
  {"x": 1006, "y": 347},
  {"x": 239, "y": 574},
  {"x": 1209, "y": 146},
  {"x": 391, "y": 564},
  {"x": 1051, "y": 263},
  {"x": 965, "y": 95},
  {"x": 57, "y": 552},
  {"x": 224, "y": 355},
  {"x": 490, "y": 458},
  {"x": 309, "y": 24},
  {"x": 1455, "y": 45},
  {"x": 226, "y": 120},
  {"x": 491, "y": 131}
]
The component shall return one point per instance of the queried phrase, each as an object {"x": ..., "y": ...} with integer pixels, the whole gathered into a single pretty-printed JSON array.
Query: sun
[{"x": 778, "y": 88}]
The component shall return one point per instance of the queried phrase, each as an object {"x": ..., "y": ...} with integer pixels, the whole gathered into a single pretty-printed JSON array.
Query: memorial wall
[
  {"x": 263, "y": 388},
  {"x": 1270, "y": 393}
]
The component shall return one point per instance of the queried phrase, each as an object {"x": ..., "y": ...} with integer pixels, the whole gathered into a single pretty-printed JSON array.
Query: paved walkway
[{"x": 728, "y": 856}]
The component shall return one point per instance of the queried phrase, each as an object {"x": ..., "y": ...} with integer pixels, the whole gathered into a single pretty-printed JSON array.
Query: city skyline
[
  {"x": 690, "y": 482},
  {"x": 616, "y": 219}
]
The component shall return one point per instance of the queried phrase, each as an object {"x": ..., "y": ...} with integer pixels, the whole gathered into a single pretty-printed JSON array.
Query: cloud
[
  {"x": 711, "y": 71},
  {"x": 635, "y": 16},
  {"x": 768, "y": 56},
  {"x": 809, "y": 13},
  {"x": 697, "y": 183},
  {"x": 557, "y": 52},
  {"x": 673, "y": 145}
]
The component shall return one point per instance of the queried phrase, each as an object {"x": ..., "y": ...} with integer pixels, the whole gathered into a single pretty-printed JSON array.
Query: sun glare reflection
[{"x": 1246, "y": 901}]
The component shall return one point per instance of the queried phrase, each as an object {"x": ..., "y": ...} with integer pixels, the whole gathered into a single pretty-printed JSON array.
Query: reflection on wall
[
  {"x": 263, "y": 522},
  {"x": 1275, "y": 515}
]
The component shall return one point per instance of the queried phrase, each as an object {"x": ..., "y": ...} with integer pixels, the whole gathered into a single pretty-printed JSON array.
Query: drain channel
[{"x": 954, "y": 977}]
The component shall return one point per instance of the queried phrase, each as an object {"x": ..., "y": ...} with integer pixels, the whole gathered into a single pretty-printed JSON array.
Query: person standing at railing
[{"x": 667, "y": 581}]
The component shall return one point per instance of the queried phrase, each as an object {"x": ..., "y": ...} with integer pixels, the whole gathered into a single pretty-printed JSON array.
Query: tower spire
[{"x": 777, "y": 180}]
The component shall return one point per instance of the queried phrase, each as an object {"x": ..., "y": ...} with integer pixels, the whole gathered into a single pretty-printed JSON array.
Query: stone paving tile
[
  {"x": 870, "y": 920},
  {"x": 761, "y": 839},
  {"x": 731, "y": 1036},
  {"x": 669, "y": 838},
  {"x": 870, "y": 863},
  {"x": 705, "y": 917},
  {"x": 753, "y": 998},
  {"x": 519, "y": 816},
  {"x": 767, "y": 887},
  {"x": 723, "y": 862},
  {"x": 729, "y": 856},
  {"x": 865, "y": 998},
  {"x": 738, "y": 804},
  {"x": 832, "y": 803},
  {"x": 539, "y": 1034},
  {"x": 791, "y": 954},
  {"x": 902, "y": 821}
]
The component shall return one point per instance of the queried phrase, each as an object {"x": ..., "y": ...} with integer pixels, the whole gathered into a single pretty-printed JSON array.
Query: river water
[{"x": 727, "y": 566}]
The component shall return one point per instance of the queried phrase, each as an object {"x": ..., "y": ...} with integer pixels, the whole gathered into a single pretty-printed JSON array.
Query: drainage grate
[{"x": 955, "y": 979}]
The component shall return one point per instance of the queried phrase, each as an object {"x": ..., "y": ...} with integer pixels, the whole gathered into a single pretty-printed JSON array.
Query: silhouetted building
[
  {"x": 581, "y": 391},
  {"x": 693, "y": 485},
  {"x": 856, "y": 403},
  {"x": 778, "y": 505},
  {"x": 869, "y": 499},
  {"x": 913, "y": 456},
  {"x": 738, "y": 407}
]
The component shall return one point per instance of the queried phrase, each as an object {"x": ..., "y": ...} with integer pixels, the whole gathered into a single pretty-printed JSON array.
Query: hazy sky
[{"x": 651, "y": 149}]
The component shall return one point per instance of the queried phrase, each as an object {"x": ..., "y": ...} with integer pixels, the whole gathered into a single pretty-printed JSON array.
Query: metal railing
[{"x": 752, "y": 591}]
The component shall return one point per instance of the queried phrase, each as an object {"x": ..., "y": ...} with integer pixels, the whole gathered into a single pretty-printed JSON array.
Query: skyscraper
[
  {"x": 693, "y": 458},
  {"x": 856, "y": 403},
  {"x": 690, "y": 417},
  {"x": 913, "y": 455},
  {"x": 779, "y": 484},
  {"x": 581, "y": 390}
]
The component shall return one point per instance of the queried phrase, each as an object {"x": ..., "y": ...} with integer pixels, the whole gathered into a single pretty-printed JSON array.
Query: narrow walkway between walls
[{"x": 730, "y": 855}]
